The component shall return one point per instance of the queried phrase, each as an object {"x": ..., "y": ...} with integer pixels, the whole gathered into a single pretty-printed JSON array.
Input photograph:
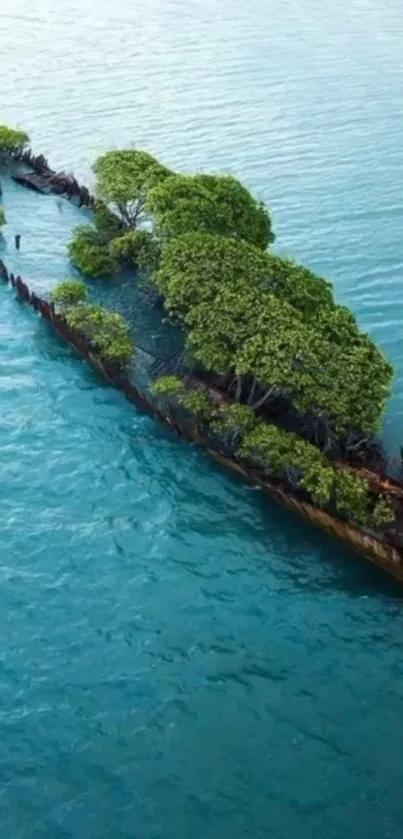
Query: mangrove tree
[
  {"x": 107, "y": 332},
  {"x": 217, "y": 204},
  {"x": 124, "y": 179}
]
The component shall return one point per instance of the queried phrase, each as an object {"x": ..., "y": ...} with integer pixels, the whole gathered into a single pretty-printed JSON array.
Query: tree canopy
[
  {"x": 138, "y": 248},
  {"x": 107, "y": 225},
  {"x": 217, "y": 204},
  {"x": 87, "y": 252},
  {"x": 267, "y": 325},
  {"x": 69, "y": 293},
  {"x": 133, "y": 186},
  {"x": 108, "y": 331},
  {"x": 12, "y": 139},
  {"x": 2, "y": 216},
  {"x": 276, "y": 327},
  {"x": 124, "y": 179},
  {"x": 195, "y": 266}
]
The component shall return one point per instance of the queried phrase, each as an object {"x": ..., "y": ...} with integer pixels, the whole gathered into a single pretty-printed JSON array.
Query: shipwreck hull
[{"x": 378, "y": 550}]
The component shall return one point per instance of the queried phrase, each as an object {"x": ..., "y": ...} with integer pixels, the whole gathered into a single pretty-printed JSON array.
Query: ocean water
[{"x": 179, "y": 657}]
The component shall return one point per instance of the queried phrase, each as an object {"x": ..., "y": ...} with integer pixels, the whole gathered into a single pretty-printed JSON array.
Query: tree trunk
[
  {"x": 238, "y": 392},
  {"x": 263, "y": 399},
  {"x": 252, "y": 390}
]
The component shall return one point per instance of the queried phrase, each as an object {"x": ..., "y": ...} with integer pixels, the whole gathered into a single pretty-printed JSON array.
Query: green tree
[
  {"x": 217, "y": 204},
  {"x": 107, "y": 225},
  {"x": 87, "y": 254},
  {"x": 346, "y": 385},
  {"x": 233, "y": 421},
  {"x": 195, "y": 266},
  {"x": 2, "y": 216},
  {"x": 169, "y": 385},
  {"x": 139, "y": 248},
  {"x": 275, "y": 327},
  {"x": 352, "y": 496},
  {"x": 108, "y": 331},
  {"x": 69, "y": 293},
  {"x": 299, "y": 286},
  {"x": 124, "y": 179},
  {"x": 270, "y": 350},
  {"x": 12, "y": 140},
  {"x": 195, "y": 400},
  {"x": 285, "y": 455}
]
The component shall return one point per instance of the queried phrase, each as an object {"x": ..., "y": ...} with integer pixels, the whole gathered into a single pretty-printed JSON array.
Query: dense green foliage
[
  {"x": 168, "y": 385},
  {"x": 196, "y": 266},
  {"x": 108, "y": 331},
  {"x": 194, "y": 400},
  {"x": 276, "y": 327},
  {"x": 88, "y": 254},
  {"x": 69, "y": 293},
  {"x": 107, "y": 225},
  {"x": 301, "y": 464},
  {"x": 90, "y": 247},
  {"x": 352, "y": 496},
  {"x": 217, "y": 204},
  {"x": 383, "y": 513},
  {"x": 139, "y": 248},
  {"x": 12, "y": 139},
  {"x": 283, "y": 455},
  {"x": 270, "y": 328},
  {"x": 233, "y": 420},
  {"x": 287, "y": 455},
  {"x": 133, "y": 185},
  {"x": 2, "y": 216},
  {"x": 124, "y": 179}
]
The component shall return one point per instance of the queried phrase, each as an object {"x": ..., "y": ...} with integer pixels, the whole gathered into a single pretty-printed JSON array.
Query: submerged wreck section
[
  {"x": 378, "y": 548},
  {"x": 34, "y": 172},
  {"x": 269, "y": 374}
]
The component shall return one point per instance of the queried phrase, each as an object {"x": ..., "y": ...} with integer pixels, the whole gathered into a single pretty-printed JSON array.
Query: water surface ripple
[{"x": 179, "y": 658}]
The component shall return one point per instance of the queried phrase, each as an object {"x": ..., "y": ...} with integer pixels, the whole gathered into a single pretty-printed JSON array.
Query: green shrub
[
  {"x": 88, "y": 255},
  {"x": 108, "y": 331},
  {"x": 12, "y": 139},
  {"x": 194, "y": 400},
  {"x": 197, "y": 402},
  {"x": 107, "y": 225},
  {"x": 233, "y": 420},
  {"x": 287, "y": 456},
  {"x": 69, "y": 292},
  {"x": 352, "y": 496},
  {"x": 383, "y": 512},
  {"x": 138, "y": 247},
  {"x": 168, "y": 385}
]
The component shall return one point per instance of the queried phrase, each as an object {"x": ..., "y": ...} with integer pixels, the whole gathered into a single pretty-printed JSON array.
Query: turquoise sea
[{"x": 180, "y": 658}]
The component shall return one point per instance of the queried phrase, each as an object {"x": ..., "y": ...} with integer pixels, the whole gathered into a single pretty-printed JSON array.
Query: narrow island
[{"x": 273, "y": 377}]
